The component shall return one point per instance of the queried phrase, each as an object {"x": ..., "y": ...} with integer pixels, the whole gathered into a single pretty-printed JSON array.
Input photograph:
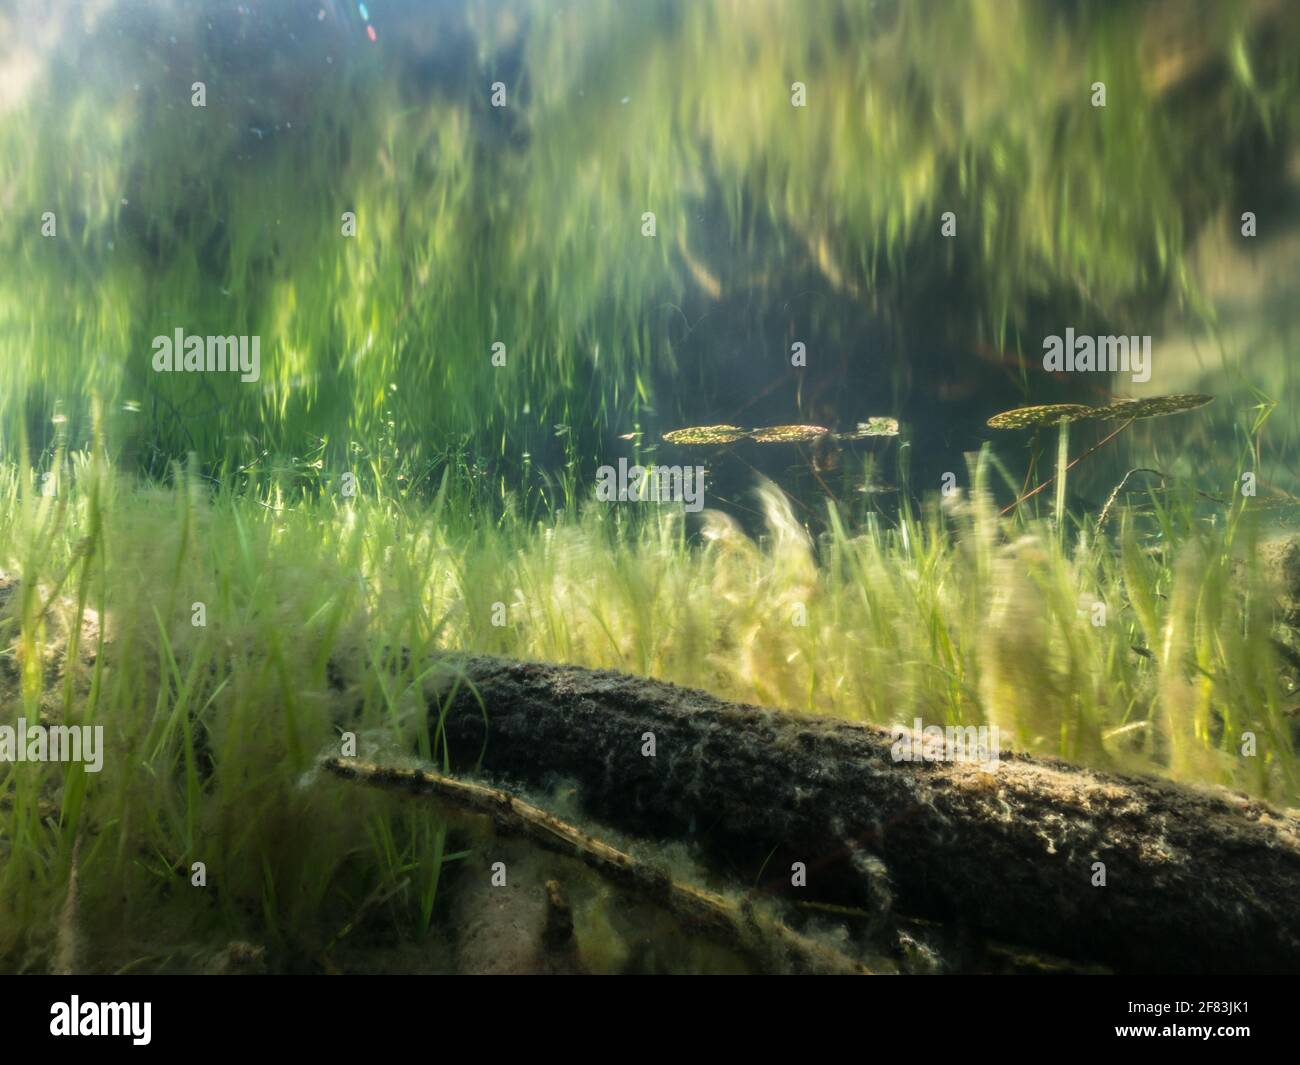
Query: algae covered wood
[{"x": 1194, "y": 881}]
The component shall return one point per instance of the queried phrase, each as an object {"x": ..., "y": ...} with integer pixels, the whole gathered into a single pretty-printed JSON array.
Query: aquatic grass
[
  {"x": 206, "y": 733},
  {"x": 949, "y": 613}
]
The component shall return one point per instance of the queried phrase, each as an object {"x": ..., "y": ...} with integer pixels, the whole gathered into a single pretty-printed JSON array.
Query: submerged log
[{"x": 1194, "y": 881}]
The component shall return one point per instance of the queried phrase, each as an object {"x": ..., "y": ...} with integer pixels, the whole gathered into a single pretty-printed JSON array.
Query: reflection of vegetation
[{"x": 522, "y": 225}]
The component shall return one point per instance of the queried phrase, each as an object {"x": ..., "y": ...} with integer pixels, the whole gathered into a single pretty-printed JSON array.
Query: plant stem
[
  {"x": 1062, "y": 465},
  {"x": 1095, "y": 447}
]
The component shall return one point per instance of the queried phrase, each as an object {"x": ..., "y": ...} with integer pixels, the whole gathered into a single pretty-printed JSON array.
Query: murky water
[{"x": 667, "y": 336}]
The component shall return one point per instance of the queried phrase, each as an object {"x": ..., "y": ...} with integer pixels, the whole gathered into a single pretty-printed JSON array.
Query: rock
[{"x": 1281, "y": 560}]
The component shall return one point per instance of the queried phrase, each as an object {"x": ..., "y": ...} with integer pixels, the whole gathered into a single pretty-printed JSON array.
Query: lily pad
[
  {"x": 1152, "y": 407},
  {"x": 1048, "y": 414},
  {"x": 788, "y": 434},
  {"x": 706, "y": 435},
  {"x": 871, "y": 427}
]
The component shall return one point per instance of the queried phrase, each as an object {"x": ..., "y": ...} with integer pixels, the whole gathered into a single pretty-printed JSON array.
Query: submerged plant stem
[
  {"x": 764, "y": 939},
  {"x": 1052, "y": 480}
]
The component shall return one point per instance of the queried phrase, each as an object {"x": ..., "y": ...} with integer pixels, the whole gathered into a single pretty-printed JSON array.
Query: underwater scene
[{"x": 649, "y": 487}]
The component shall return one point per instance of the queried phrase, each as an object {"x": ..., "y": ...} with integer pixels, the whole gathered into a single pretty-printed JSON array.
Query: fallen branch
[
  {"x": 770, "y": 943},
  {"x": 1194, "y": 880}
]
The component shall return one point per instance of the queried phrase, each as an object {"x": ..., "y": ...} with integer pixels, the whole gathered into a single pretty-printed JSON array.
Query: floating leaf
[
  {"x": 789, "y": 434},
  {"x": 1153, "y": 407},
  {"x": 1048, "y": 414},
  {"x": 706, "y": 435},
  {"x": 871, "y": 427}
]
